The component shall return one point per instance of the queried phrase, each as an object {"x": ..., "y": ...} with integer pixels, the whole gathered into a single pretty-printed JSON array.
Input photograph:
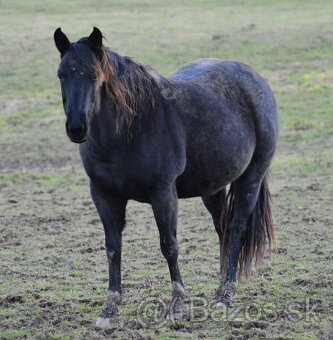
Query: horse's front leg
[
  {"x": 111, "y": 210},
  {"x": 165, "y": 207}
]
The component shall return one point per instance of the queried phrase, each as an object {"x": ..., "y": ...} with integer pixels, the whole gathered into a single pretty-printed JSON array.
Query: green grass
[
  {"x": 12, "y": 334},
  {"x": 51, "y": 241}
]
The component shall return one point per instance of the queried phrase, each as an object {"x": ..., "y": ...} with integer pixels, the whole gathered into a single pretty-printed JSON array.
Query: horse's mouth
[
  {"x": 78, "y": 137},
  {"x": 78, "y": 140}
]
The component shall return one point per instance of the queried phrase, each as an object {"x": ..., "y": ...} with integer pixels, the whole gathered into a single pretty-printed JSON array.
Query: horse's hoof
[
  {"x": 175, "y": 311},
  {"x": 224, "y": 296},
  {"x": 109, "y": 311},
  {"x": 174, "y": 316},
  {"x": 103, "y": 322}
]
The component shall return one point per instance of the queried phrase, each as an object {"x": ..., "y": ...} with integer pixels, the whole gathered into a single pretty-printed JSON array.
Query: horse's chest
[{"x": 118, "y": 179}]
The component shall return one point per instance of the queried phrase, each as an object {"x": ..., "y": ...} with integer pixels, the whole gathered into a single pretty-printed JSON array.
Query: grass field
[{"x": 53, "y": 265}]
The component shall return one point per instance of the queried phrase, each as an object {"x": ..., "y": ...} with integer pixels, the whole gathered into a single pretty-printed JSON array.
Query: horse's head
[{"x": 79, "y": 85}]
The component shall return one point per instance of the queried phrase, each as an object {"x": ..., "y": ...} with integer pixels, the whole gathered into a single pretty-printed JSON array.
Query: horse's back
[
  {"x": 202, "y": 68},
  {"x": 226, "y": 78}
]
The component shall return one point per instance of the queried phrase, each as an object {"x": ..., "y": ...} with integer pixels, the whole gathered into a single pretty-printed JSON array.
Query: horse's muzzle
[{"x": 77, "y": 133}]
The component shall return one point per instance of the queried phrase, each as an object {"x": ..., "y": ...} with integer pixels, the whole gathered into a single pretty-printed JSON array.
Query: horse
[{"x": 210, "y": 126}]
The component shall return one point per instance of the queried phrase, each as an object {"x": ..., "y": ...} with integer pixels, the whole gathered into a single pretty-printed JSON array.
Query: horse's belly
[
  {"x": 200, "y": 188},
  {"x": 207, "y": 175},
  {"x": 190, "y": 186}
]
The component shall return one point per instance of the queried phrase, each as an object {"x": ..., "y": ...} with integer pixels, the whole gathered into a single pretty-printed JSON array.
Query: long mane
[{"x": 130, "y": 86}]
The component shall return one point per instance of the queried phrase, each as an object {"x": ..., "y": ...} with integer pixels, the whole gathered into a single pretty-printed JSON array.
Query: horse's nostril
[{"x": 77, "y": 129}]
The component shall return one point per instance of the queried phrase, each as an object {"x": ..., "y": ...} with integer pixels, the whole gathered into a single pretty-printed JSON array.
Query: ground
[{"x": 53, "y": 264}]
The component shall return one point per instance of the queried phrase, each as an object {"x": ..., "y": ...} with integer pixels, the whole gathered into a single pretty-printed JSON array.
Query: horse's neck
[
  {"x": 103, "y": 124},
  {"x": 103, "y": 129}
]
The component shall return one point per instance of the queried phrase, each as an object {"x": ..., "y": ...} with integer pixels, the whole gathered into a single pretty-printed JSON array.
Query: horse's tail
[{"x": 260, "y": 230}]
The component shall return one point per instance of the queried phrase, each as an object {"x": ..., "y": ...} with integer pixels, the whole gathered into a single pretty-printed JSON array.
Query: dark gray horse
[{"x": 155, "y": 139}]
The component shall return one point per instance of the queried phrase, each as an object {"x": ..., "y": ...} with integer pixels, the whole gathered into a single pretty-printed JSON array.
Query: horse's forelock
[{"x": 83, "y": 54}]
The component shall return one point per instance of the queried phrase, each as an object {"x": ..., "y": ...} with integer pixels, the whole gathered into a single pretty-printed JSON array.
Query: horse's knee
[
  {"x": 112, "y": 252},
  {"x": 169, "y": 249}
]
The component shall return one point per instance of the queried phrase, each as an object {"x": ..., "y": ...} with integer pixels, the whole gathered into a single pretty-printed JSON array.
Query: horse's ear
[
  {"x": 95, "y": 39},
  {"x": 61, "y": 41}
]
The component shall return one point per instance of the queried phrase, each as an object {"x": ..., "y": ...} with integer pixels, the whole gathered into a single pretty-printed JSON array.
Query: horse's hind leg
[
  {"x": 250, "y": 227},
  {"x": 215, "y": 204}
]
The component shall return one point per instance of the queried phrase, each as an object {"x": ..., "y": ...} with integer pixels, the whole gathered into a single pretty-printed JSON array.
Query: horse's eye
[{"x": 73, "y": 68}]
